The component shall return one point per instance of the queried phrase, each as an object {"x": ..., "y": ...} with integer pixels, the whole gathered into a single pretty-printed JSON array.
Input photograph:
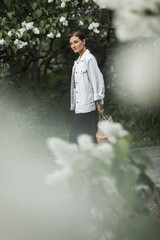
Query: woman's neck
[{"x": 82, "y": 51}]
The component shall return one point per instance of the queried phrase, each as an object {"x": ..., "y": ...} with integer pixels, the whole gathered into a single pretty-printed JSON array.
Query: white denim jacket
[{"x": 87, "y": 84}]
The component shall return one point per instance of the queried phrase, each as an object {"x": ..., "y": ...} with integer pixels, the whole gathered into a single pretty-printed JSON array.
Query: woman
[{"x": 87, "y": 90}]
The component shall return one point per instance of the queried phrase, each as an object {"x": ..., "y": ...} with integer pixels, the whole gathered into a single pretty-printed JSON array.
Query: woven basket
[{"x": 101, "y": 138}]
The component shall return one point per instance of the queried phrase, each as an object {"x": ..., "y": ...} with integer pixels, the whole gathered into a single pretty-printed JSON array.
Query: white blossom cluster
[
  {"x": 64, "y": 21},
  {"x": 51, "y": 35},
  {"x": 83, "y": 159},
  {"x": 2, "y": 42},
  {"x": 134, "y": 18},
  {"x": 19, "y": 34},
  {"x": 93, "y": 26},
  {"x": 78, "y": 159},
  {"x": 20, "y": 44},
  {"x": 139, "y": 74},
  {"x": 81, "y": 23},
  {"x": 63, "y": 3}
]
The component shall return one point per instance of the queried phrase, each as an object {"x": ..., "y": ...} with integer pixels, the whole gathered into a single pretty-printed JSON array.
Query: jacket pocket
[{"x": 84, "y": 70}]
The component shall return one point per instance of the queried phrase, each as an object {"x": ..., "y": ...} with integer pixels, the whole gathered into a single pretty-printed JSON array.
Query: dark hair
[{"x": 77, "y": 34}]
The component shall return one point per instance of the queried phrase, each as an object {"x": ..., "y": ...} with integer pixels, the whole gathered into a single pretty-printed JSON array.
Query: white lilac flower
[
  {"x": 50, "y": 35},
  {"x": 86, "y": 1},
  {"x": 109, "y": 185},
  {"x": 64, "y": 152},
  {"x": 23, "y": 24},
  {"x": 59, "y": 176},
  {"x": 36, "y": 30},
  {"x": 20, "y": 32},
  {"x": 81, "y": 23},
  {"x": 63, "y": 4},
  {"x": 10, "y": 34},
  {"x": 62, "y": 19},
  {"x": 29, "y": 25},
  {"x": 20, "y": 44},
  {"x": 49, "y": 1},
  {"x": 112, "y": 130},
  {"x": 58, "y": 35},
  {"x": 2, "y": 42},
  {"x": 140, "y": 73},
  {"x": 85, "y": 142},
  {"x": 104, "y": 152},
  {"x": 65, "y": 23},
  {"x": 96, "y": 30},
  {"x": 93, "y": 26}
]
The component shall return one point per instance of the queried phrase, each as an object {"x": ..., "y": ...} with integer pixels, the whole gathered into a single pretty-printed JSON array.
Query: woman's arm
[
  {"x": 97, "y": 82},
  {"x": 99, "y": 107}
]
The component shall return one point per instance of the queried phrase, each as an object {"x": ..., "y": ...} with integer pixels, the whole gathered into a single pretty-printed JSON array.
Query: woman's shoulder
[{"x": 90, "y": 56}]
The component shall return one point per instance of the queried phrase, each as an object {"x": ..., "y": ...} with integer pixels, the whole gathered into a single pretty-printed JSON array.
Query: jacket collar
[{"x": 81, "y": 59}]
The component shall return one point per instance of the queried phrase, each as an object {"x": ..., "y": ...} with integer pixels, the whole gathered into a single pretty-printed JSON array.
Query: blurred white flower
[
  {"x": 63, "y": 4},
  {"x": 64, "y": 152},
  {"x": 62, "y": 19},
  {"x": 85, "y": 142},
  {"x": 59, "y": 176},
  {"x": 112, "y": 4},
  {"x": 109, "y": 235},
  {"x": 65, "y": 23},
  {"x": 10, "y": 34},
  {"x": 112, "y": 130},
  {"x": 81, "y": 23},
  {"x": 49, "y": 1},
  {"x": 86, "y": 1},
  {"x": 2, "y": 42},
  {"x": 109, "y": 185},
  {"x": 58, "y": 35},
  {"x": 23, "y": 24},
  {"x": 104, "y": 152},
  {"x": 96, "y": 30},
  {"x": 132, "y": 19},
  {"x": 140, "y": 73},
  {"x": 50, "y": 35},
  {"x": 36, "y": 30}
]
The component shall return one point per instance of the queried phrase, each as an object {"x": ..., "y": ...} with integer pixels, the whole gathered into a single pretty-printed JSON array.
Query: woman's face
[{"x": 76, "y": 44}]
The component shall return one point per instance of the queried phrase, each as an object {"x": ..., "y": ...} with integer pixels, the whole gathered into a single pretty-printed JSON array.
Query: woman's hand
[{"x": 99, "y": 107}]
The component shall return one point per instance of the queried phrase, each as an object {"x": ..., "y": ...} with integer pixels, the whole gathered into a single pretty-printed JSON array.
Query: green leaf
[
  {"x": 47, "y": 26},
  {"x": 34, "y": 5},
  {"x": 43, "y": 30},
  {"x": 1, "y": 34},
  {"x": 14, "y": 49},
  {"x": 7, "y": 2},
  {"x": 50, "y": 20},
  {"x": 38, "y": 13},
  {"x": 9, "y": 15},
  {"x": 121, "y": 150}
]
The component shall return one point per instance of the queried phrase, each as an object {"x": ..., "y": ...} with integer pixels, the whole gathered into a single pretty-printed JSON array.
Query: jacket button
[
  {"x": 77, "y": 102},
  {"x": 76, "y": 72},
  {"x": 76, "y": 91}
]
